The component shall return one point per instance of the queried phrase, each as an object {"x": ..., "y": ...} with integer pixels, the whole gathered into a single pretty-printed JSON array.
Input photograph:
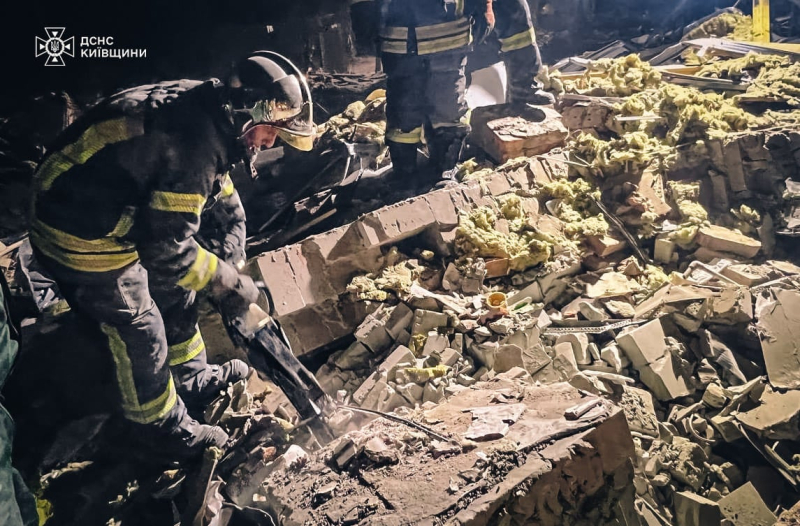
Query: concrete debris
[
  {"x": 745, "y": 507},
  {"x": 693, "y": 510},
  {"x": 779, "y": 332}
]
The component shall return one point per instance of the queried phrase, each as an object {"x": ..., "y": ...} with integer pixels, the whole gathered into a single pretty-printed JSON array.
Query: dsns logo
[{"x": 54, "y": 46}]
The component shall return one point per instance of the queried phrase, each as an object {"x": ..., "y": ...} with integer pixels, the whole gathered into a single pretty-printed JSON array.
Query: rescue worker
[
  {"x": 424, "y": 46},
  {"x": 519, "y": 52},
  {"x": 135, "y": 214}
]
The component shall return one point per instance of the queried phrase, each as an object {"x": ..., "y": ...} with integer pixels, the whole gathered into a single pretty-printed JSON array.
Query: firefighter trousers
[
  {"x": 159, "y": 357},
  {"x": 424, "y": 91}
]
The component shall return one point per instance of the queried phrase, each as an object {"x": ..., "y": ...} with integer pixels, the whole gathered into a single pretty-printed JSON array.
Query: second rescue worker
[{"x": 424, "y": 46}]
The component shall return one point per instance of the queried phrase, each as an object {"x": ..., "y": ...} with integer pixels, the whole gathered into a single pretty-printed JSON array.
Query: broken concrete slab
[
  {"x": 722, "y": 239},
  {"x": 779, "y": 331},
  {"x": 373, "y": 334},
  {"x": 637, "y": 404},
  {"x": 745, "y": 507},
  {"x": 693, "y": 510},
  {"x": 665, "y": 378},
  {"x": 777, "y": 417}
]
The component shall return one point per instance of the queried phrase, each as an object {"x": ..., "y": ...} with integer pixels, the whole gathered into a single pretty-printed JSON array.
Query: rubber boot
[
  {"x": 447, "y": 146},
  {"x": 199, "y": 383},
  {"x": 405, "y": 173},
  {"x": 178, "y": 436}
]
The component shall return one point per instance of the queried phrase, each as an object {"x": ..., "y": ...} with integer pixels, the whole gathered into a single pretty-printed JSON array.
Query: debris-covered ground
[{"x": 597, "y": 324}]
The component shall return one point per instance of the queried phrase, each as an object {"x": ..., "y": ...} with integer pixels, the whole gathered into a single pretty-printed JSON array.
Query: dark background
[{"x": 201, "y": 38}]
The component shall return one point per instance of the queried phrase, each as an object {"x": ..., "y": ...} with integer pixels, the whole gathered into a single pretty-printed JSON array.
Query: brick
[
  {"x": 366, "y": 387},
  {"x": 663, "y": 377},
  {"x": 426, "y": 321},
  {"x": 505, "y": 135},
  {"x": 592, "y": 311},
  {"x": 693, "y": 510},
  {"x": 733, "y": 168},
  {"x": 722, "y": 239},
  {"x": 644, "y": 344},
  {"x": 496, "y": 184},
  {"x": 394, "y": 223},
  {"x": 436, "y": 343}
]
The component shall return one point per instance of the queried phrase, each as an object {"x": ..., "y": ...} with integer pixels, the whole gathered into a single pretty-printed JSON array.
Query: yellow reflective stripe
[
  {"x": 445, "y": 29},
  {"x": 183, "y": 352},
  {"x": 175, "y": 202},
  {"x": 202, "y": 270},
  {"x": 394, "y": 47},
  {"x": 83, "y": 262},
  {"x": 76, "y": 244},
  {"x": 459, "y": 7},
  {"x": 394, "y": 33},
  {"x": 412, "y": 137},
  {"x": 227, "y": 187},
  {"x": 518, "y": 41},
  {"x": 444, "y": 44},
  {"x": 94, "y": 139},
  {"x": 141, "y": 413}
]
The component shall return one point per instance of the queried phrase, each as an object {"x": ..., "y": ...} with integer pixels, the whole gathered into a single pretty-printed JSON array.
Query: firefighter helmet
[{"x": 268, "y": 90}]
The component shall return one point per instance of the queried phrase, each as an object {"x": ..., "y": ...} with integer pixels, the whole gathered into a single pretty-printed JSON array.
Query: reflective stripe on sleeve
[
  {"x": 181, "y": 353},
  {"x": 177, "y": 202},
  {"x": 202, "y": 270}
]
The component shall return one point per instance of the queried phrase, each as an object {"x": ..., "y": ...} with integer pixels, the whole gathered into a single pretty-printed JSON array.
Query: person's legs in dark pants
[
  {"x": 197, "y": 382},
  {"x": 405, "y": 113},
  {"x": 120, "y": 302},
  {"x": 448, "y": 110}
]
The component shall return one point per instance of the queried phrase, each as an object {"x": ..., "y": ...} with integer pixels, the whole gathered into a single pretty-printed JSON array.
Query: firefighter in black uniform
[
  {"x": 424, "y": 46},
  {"x": 135, "y": 214}
]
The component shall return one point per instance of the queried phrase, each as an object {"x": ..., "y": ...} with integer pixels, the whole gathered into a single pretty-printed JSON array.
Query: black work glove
[{"x": 234, "y": 291}]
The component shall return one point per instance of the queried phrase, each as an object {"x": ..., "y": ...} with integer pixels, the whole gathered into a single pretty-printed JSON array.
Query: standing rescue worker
[
  {"x": 424, "y": 46},
  {"x": 519, "y": 52},
  {"x": 134, "y": 215}
]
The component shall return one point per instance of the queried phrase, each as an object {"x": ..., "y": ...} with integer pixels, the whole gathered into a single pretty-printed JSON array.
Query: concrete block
[
  {"x": 426, "y": 321},
  {"x": 506, "y": 135},
  {"x": 399, "y": 356},
  {"x": 366, "y": 387},
  {"x": 643, "y": 344},
  {"x": 411, "y": 392},
  {"x": 564, "y": 361},
  {"x": 693, "y": 510},
  {"x": 722, "y": 239},
  {"x": 580, "y": 346},
  {"x": 612, "y": 355},
  {"x": 606, "y": 245},
  {"x": 664, "y": 249},
  {"x": 457, "y": 342},
  {"x": 399, "y": 320},
  {"x": 436, "y": 343},
  {"x": 372, "y": 333},
  {"x": 663, "y": 377},
  {"x": 484, "y": 353},
  {"x": 378, "y": 395},
  {"x": 444, "y": 209},
  {"x": 592, "y": 311},
  {"x": 508, "y": 357},
  {"x": 433, "y": 392},
  {"x": 532, "y": 291},
  {"x": 743, "y": 275},
  {"x": 450, "y": 357},
  {"x": 276, "y": 271}
]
